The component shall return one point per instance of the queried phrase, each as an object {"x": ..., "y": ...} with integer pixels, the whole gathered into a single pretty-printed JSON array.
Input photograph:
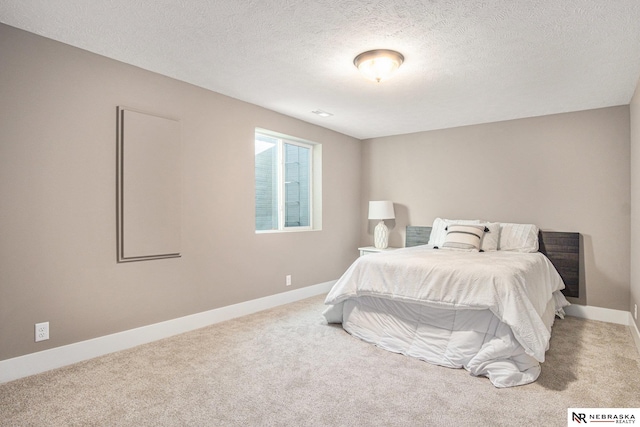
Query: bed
[{"x": 488, "y": 309}]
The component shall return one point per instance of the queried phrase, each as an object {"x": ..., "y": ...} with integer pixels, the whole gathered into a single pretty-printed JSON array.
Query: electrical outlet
[
  {"x": 288, "y": 280},
  {"x": 42, "y": 331}
]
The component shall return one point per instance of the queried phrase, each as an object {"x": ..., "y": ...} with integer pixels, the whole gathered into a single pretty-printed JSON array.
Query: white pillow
[
  {"x": 518, "y": 237},
  {"x": 491, "y": 238},
  {"x": 438, "y": 232},
  {"x": 465, "y": 237}
]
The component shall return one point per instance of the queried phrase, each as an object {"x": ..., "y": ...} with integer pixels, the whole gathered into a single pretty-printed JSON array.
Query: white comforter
[{"x": 515, "y": 287}]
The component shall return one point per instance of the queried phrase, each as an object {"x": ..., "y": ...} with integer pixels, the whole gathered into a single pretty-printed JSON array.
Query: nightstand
[{"x": 366, "y": 250}]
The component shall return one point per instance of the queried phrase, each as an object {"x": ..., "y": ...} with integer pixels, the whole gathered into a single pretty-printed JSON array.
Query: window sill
[{"x": 293, "y": 230}]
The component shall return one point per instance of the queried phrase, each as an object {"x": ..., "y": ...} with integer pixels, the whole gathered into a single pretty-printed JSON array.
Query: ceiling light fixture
[
  {"x": 379, "y": 64},
  {"x": 322, "y": 113}
]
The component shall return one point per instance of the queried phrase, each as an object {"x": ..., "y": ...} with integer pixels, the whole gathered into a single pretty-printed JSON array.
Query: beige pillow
[
  {"x": 464, "y": 236},
  {"x": 439, "y": 229}
]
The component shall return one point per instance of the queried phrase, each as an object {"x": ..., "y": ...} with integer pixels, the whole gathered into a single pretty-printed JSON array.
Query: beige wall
[
  {"x": 635, "y": 201},
  {"x": 57, "y": 190},
  {"x": 566, "y": 172}
]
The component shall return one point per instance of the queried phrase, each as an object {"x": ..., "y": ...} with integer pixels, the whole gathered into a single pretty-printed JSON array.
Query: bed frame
[{"x": 562, "y": 249}]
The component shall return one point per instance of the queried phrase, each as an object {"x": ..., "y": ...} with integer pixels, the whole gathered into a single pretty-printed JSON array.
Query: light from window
[{"x": 284, "y": 183}]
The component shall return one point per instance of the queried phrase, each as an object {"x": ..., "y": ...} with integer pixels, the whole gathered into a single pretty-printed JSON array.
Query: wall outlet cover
[{"x": 42, "y": 331}]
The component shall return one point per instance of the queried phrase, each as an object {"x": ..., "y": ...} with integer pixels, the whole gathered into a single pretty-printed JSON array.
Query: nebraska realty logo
[{"x": 579, "y": 416}]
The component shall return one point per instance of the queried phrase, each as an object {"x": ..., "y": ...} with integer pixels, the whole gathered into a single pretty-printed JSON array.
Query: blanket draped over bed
[{"x": 489, "y": 312}]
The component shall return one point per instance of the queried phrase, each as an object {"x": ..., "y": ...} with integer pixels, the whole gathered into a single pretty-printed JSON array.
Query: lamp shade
[{"x": 381, "y": 210}]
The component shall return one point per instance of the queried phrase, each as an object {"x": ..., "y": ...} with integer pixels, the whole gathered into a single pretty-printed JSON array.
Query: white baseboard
[
  {"x": 35, "y": 363},
  {"x": 598, "y": 313},
  {"x": 606, "y": 315}
]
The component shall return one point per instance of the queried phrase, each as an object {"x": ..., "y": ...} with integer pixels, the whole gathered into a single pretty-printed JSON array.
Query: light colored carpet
[{"x": 287, "y": 367}]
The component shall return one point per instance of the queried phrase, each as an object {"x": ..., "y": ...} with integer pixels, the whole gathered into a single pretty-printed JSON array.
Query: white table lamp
[{"x": 381, "y": 210}]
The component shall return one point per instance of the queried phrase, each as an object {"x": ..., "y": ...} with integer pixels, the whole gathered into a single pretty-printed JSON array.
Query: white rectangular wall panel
[{"x": 149, "y": 186}]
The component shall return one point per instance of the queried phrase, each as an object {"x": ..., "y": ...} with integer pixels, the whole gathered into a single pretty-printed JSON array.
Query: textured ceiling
[{"x": 466, "y": 62}]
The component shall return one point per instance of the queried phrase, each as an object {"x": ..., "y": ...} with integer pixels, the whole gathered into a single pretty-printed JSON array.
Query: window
[{"x": 285, "y": 187}]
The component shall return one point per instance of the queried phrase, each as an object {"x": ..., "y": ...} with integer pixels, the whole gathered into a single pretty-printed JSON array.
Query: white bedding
[{"x": 489, "y": 312}]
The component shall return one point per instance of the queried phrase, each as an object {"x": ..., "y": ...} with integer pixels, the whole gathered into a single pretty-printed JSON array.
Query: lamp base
[{"x": 381, "y": 236}]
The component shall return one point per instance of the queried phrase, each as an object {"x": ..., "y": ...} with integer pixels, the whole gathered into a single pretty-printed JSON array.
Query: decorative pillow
[
  {"x": 491, "y": 237},
  {"x": 461, "y": 236},
  {"x": 438, "y": 229},
  {"x": 518, "y": 237}
]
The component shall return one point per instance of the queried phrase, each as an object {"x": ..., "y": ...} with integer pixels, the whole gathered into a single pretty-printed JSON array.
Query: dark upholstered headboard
[
  {"x": 417, "y": 235},
  {"x": 562, "y": 249}
]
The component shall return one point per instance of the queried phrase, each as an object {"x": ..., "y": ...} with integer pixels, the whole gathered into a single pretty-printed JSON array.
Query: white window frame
[{"x": 314, "y": 156}]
